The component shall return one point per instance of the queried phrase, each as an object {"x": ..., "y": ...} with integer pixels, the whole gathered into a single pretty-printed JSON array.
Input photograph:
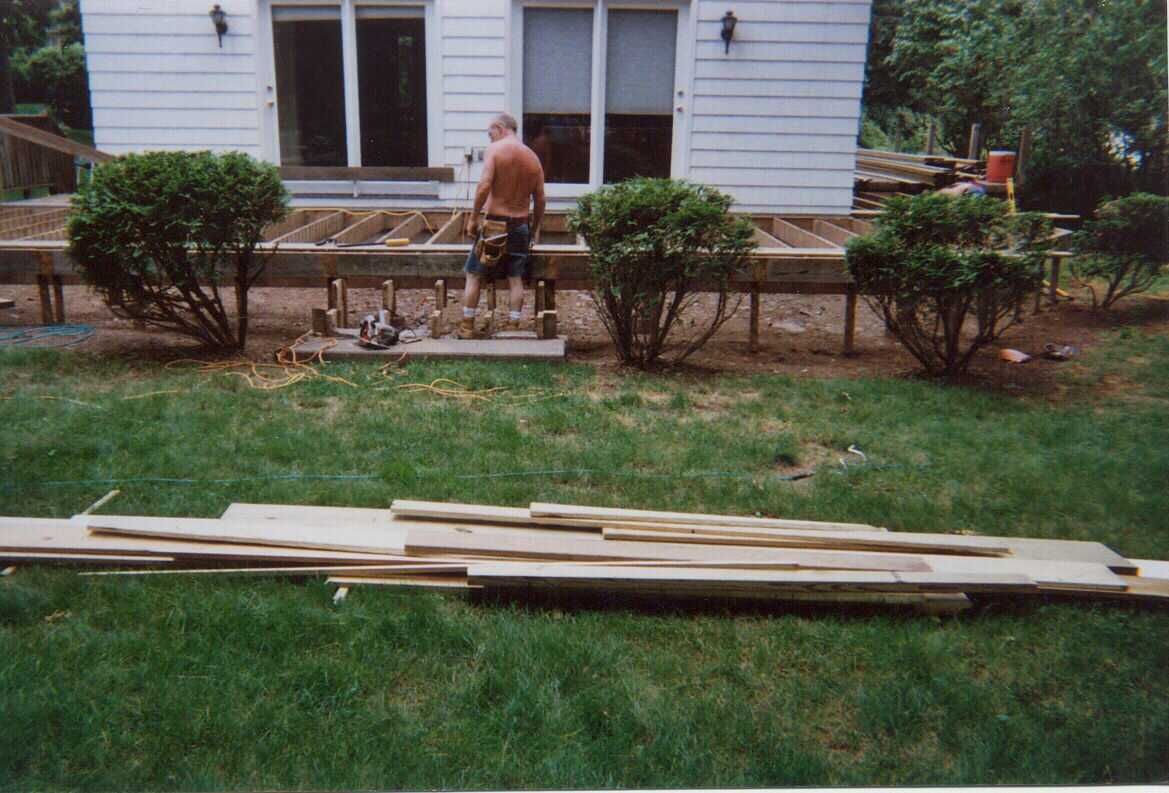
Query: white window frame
[
  {"x": 266, "y": 85},
  {"x": 683, "y": 79}
]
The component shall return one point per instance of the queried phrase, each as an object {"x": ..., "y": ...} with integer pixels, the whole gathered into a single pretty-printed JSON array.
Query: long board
[
  {"x": 421, "y": 540},
  {"x": 572, "y": 514},
  {"x": 781, "y": 538},
  {"x": 373, "y": 538}
]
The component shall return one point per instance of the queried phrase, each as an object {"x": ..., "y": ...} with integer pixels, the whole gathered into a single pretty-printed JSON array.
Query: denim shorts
[{"x": 515, "y": 263}]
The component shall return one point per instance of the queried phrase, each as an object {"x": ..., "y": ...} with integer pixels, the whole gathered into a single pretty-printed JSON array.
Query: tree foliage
[
  {"x": 1087, "y": 76},
  {"x": 1126, "y": 245},
  {"x": 155, "y": 234},
  {"x": 947, "y": 273},
  {"x": 653, "y": 243}
]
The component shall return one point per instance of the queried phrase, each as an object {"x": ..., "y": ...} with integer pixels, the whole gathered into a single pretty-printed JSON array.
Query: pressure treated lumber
[
  {"x": 744, "y": 583},
  {"x": 780, "y": 538},
  {"x": 380, "y": 538},
  {"x": 423, "y": 540},
  {"x": 44, "y": 557},
  {"x": 308, "y": 514},
  {"x": 573, "y": 514}
]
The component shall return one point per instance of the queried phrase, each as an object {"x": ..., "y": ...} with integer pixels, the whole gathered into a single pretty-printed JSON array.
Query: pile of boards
[
  {"x": 580, "y": 549},
  {"x": 881, "y": 173}
]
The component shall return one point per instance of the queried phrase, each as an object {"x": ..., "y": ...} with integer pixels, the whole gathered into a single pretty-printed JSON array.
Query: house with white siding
[{"x": 386, "y": 103}]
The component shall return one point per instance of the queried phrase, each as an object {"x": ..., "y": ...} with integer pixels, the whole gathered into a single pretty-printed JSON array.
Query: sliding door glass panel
[
  {"x": 391, "y": 77},
  {"x": 558, "y": 68},
  {"x": 639, "y": 93},
  {"x": 310, "y": 87}
]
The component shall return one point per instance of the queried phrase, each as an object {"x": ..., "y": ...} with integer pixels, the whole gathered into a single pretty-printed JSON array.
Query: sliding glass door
[
  {"x": 558, "y": 67},
  {"x": 310, "y": 88},
  {"x": 350, "y": 81}
]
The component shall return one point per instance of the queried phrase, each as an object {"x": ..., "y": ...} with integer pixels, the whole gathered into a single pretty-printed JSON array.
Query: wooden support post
[
  {"x": 975, "y": 148},
  {"x": 440, "y": 297},
  {"x": 340, "y": 301},
  {"x": 46, "y": 299},
  {"x": 1022, "y": 156},
  {"x": 541, "y": 297},
  {"x": 1053, "y": 286},
  {"x": 330, "y": 295},
  {"x": 850, "y": 321},
  {"x": 58, "y": 300},
  {"x": 546, "y": 325},
  {"x": 331, "y": 322},
  {"x": 1039, "y": 292},
  {"x": 435, "y": 323},
  {"x": 320, "y": 321},
  {"x": 389, "y": 298},
  {"x": 491, "y": 296},
  {"x": 550, "y": 295},
  {"x": 931, "y": 138},
  {"x": 753, "y": 334}
]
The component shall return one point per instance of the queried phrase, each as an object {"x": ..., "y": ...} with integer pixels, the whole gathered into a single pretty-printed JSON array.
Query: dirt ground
[{"x": 799, "y": 335}]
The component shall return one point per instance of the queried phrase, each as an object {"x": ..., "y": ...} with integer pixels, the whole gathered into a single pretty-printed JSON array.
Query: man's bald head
[{"x": 507, "y": 121}]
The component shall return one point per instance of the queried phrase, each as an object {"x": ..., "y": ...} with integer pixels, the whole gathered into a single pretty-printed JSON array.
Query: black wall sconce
[
  {"x": 219, "y": 18},
  {"x": 729, "y": 22}
]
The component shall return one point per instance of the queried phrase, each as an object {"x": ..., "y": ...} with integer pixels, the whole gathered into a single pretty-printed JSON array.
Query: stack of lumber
[
  {"x": 879, "y": 174},
  {"x": 567, "y": 548}
]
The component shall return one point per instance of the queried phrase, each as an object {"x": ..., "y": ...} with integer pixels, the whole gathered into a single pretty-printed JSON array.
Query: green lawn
[{"x": 248, "y": 684}]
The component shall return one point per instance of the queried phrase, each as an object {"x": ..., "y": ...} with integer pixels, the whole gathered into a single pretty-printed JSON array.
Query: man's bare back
[
  {"x": 514, "y": 175},
  {"x": 512, "y": 179}
]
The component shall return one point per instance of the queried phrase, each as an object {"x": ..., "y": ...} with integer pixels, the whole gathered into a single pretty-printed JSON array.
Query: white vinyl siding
[
  {"x": 159, "y": 80},
  {"x": 774, "y": 121}
]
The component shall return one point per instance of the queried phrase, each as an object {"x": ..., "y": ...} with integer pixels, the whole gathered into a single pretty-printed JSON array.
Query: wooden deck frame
[{"x": 314, "y": 246}]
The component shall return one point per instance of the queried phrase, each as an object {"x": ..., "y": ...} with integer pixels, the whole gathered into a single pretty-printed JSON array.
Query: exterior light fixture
[
  {"x": 219, "y": 18},
  {"x": 729, "y": 22}
]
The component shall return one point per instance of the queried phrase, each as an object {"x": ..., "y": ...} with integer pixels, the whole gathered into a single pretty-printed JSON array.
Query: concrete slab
[{"x": 346, "y": 348}]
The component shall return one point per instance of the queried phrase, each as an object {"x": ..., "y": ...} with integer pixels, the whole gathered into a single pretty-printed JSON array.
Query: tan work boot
[{"x": 466, "y": 329}]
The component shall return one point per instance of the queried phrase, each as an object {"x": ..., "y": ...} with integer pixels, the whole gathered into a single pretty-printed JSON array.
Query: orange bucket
[{"x": 1000, "y": 166}]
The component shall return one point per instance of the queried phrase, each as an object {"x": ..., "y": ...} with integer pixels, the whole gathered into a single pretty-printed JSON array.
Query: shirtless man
[{"x": 512, "y": 177}]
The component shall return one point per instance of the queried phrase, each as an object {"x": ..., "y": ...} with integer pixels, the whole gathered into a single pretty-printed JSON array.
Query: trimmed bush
[
  {"x": 1126, "y": 245},
  {"x": 948, "y": 273},
  {"x": 156, "y": 233},
  {"x": 653, "y": 243}
]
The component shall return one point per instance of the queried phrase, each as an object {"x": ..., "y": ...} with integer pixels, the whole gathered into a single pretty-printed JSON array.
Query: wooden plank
[
  {"x": 49, "y": 557},
  {"x": 451, "y": 231},
  {"x": 797, "y": 237},
  {"x": 417, "y": 581},
  {"x": 765, "y": 240},
  {"x": 307, "y": 514},
  {"x": 338, "y": 569},
  {"x": 365, "y": 228},
  {"x": 475, "y": 541},
  {"x": 1152, "y": 568},
  {"x": 778, "y": 538},
  {"x": 836, "y": 234},
  {"x": 452, "y": 511},
  {"x": 407, "y": 229},
  {"x": 315, "y": 230},
  {"x": 51, "y": 141},
  {"x": 577, "y": 515},
  {"x": 56, "y": 535},
  {"x": 366, "y": 173},
  {"x": 745, "y": 583},
  {"x": 374, "y": 537}
]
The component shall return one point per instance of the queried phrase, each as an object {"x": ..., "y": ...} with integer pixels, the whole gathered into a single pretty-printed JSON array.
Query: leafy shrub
[
  {"x": 1126, "y": 245},
  {"x": 653, "y": 243},
  {"x": 938, "y": 265},
  {"x": 154, "y": 234}
]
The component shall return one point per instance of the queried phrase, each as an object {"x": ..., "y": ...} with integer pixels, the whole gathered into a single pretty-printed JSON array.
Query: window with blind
[
  {"x": 635, "y": 129},
  {"x": 310, "y": 88},
  {"x": 639, "y": 91},
  {"x": 558, "y": 67}
]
